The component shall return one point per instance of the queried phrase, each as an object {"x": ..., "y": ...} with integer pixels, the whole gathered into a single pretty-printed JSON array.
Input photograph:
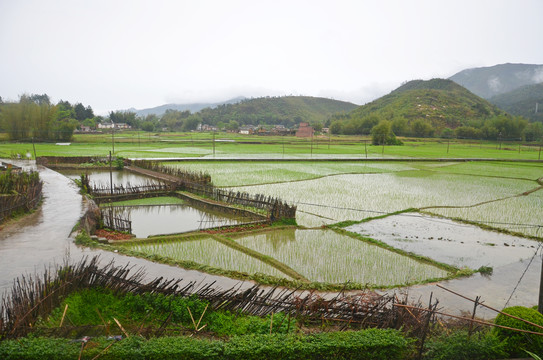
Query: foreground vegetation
[{"x": 217, "y": 334}]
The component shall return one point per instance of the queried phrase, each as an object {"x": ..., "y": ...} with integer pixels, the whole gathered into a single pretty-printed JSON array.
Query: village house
[
  {"x": 247, "y": 130},
  {"x": 110, "y": 125},
  {"x": 206, "y": 127},
  {"x": 304, "y": 130}
]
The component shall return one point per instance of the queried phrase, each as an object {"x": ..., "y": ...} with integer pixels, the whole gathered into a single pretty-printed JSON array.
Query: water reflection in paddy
[
  {"x": 119, "y": 177},
  {"x": 447, "y": 241},
  {"x": 170, "y": 219}
]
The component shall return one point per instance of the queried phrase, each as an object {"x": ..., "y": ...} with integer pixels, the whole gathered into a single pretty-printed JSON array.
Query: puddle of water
[
  {"x": 447, "y": 241},
  {"x": 170, "y": 219},
  {"x": 119, "y": 177}
]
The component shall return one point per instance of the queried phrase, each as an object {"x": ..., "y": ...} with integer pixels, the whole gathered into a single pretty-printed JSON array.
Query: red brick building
[{"x": 305, "y": 130}]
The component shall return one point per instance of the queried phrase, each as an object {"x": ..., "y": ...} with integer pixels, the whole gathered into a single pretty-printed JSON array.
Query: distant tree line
[
  {"x": 498, "y": 127},
  {"x": 35, "y": 117}
]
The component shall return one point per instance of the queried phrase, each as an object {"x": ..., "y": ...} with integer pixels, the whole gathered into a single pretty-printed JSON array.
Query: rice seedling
[
  {"x": 209, "y": 252},
  {"x": 326, "y": 256},
  {"x": 521, "y": 214},
  {"x": 358, "y": 196},
  {"x": 501, "y": 169},
  {"x": 248, "y": 173}
]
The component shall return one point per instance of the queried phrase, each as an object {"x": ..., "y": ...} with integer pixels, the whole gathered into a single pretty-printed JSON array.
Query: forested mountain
[
  {"x": 525, "y": 101},
  {"x": 192, "y": 107},
  {"x": 436, "y": 107},
  {"x": 438, "y": 103},
  {"x": 286, "y": 110},
  {"x": 487, "y": 82}
]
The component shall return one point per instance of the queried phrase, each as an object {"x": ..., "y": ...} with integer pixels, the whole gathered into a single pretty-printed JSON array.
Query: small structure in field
[{"x": 305, "y": 130}]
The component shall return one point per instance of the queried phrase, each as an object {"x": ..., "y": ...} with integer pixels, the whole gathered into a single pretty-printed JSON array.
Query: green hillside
[
  {"x": 522, "y": 102},
  {"x": 442, "y": 103},
  {"x": 287, "y": 110},
  {"x": 490, "y": 81}
]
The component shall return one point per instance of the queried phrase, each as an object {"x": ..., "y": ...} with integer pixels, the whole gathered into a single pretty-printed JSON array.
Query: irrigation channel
[{"x": 43, "y": 238}]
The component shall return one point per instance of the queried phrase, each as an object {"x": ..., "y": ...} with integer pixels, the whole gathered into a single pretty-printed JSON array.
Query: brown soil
[{"x": 112, "y": 235}]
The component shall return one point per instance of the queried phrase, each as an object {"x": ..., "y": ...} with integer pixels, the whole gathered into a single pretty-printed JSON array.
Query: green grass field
[{"x": 225, "y": 145}]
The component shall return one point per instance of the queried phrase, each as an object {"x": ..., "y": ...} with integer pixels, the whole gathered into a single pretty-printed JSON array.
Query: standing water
[{"x": 42, "y": 239}]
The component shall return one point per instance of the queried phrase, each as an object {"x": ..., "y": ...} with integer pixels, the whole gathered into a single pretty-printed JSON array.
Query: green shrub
[
  {"x": 458, "y": 346},
  {"x": 518, "y": 342},
  {"x": 132, "y": 309},
  {"x": 367, "y": 344}
]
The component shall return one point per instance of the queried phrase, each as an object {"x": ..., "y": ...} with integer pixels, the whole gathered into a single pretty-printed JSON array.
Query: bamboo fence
[{"x": 19, "y": 192}]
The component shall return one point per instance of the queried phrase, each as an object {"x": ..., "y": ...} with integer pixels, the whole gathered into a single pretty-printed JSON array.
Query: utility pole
[
  {"x": 110, "y": 175},
  {"x": 36, "y": 158},
  {"x": 540, "y": 304},
  {"x": 213, "y": 143},
  {"x": 113, "y": 136}
]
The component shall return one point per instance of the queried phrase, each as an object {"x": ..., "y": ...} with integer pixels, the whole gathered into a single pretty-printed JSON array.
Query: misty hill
[
  {"x": 522, "y": 101},
  {"x": 487, "y": 82},
  {"x": 192, "y": 107},
  {"x": 286, "y": 110},
  {"x": 442, "y": 102}
]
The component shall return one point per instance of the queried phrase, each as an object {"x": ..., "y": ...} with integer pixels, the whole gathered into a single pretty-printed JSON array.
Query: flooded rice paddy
[
  {"x": 447, "y": 241},
  {"x": 172, "y": 219},
  {"x": 209, "y": 252},
  {"x": 488, "y": 192},
  {"x": 102, "y": 178},
  {"x": 158, "y": 219},
  {"x": 329, "y": 257}
]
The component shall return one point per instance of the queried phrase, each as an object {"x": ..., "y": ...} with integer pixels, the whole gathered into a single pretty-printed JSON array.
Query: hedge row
[{"x": 365, "y": 344}]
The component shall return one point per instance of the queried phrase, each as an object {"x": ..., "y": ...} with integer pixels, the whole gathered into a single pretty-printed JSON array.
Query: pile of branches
[
  {"x": 34, "y": 298},
  {"x": 196, "y": 177},
  {"x": 19, "y": 191}
]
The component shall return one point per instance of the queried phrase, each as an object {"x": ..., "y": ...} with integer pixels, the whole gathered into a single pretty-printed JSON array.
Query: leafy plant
[
  {"x": 460, "y": 346},
  {"x": 518, "y": 342}
]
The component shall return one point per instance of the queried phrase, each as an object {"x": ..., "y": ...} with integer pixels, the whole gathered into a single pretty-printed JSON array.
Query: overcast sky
[{"x": 120, "y": 54}]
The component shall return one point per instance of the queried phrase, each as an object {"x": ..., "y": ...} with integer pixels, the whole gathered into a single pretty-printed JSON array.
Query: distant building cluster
[{"x": 304, "y": 130}]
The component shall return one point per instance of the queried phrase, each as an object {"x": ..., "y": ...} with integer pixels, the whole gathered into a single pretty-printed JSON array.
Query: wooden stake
[
  {"x": 63, "y": 315},
  {"x": 121, "y": 327},
  {"x": 271, "y": 323}
]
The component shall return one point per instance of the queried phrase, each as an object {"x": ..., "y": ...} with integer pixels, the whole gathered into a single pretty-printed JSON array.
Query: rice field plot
[
  {"x": 209, "y": 252},
  {"x": 102, "y": 177},
  {"x": 516, "y": 170},
  {"x": 358, "y": 196},
  {"x": 447, "y": 241},
  {"x": 157, "y": 219},
  {"x": 521, "y": 214},
  {"x": 329, "y": 257},
  {"x": 249, "y": 173}
]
